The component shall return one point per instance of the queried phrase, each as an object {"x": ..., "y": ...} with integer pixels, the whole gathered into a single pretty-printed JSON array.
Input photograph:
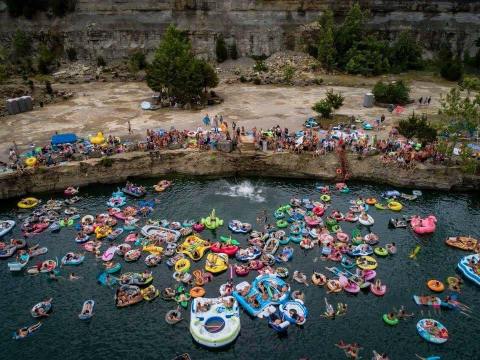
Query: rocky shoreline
[{"x": 246, "y": 163}]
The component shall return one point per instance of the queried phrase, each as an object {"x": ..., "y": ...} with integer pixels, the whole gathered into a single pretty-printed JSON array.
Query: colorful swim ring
[
  {"x": 182, "y": 265},
  {"x": 435, "y": 285},
  {"x": 28, "y": 203},
  {"x": 31, "y": 161},
  {"x": 281, "y": 224},
  {"x": 380, "y": 251},
  {"x": 197, "y": 291},
  {"x": 325, "y": 198},
  {"x": 371, "y": 201},
  {"x": 367, "y": 263},
  {"x": 395, "y": 206},
  {"x": 380, "y": 206},
  {"x": 388, "y": 321}
]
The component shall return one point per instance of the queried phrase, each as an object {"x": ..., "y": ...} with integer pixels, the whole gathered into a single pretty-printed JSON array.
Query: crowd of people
[{"x": 396, "y": 150}]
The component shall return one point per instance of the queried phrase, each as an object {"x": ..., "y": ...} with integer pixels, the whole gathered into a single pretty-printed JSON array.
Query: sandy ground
[{"x": 107, "y": 107}]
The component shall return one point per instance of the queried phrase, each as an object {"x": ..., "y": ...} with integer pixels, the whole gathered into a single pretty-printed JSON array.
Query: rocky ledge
[{"x": 246, "y": 163}]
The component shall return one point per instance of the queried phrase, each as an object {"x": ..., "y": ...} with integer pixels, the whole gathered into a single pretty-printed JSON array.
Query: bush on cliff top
[
  {"x": 392, "y": 93},
  {"x": 29, "y": 8}
]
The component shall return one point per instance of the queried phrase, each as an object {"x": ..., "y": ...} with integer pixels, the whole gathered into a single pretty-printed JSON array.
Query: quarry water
[{"x": 140, "y": 332}]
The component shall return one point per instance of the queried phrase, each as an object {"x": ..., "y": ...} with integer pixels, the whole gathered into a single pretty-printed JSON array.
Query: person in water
[
  {"x": 402, "y": 313},
  {"x": 72, "y": 277}
]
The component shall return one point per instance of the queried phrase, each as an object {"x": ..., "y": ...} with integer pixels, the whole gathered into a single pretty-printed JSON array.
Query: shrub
[
  {"x": 106, "y": 162},
  {"x": 48, "y": 87},
  {"x": 260, "y": 66},
  {"x": 288, "y": 73},
  {"x": 232, "y": 51},
  {"x": 452, "y": 70},
  {"x": 392, "y": 93},
  {"x": 45, "y": 59},
  {"x": 71, "y": 54},
  {"x": 336, "y": 100},
  {"x": 137, "y": 61},
  {"x": 101, "y": 61},
  {"x": 257, "y": 81},
  {"x": 3, "y": 73},
  {"x": 221, "y": 49},
  {"x": 21, "y": 45},
  {"x": 416, "y": 126},
  {"x": 243, "y": 79},
  {"x": 323, "y": 107}
]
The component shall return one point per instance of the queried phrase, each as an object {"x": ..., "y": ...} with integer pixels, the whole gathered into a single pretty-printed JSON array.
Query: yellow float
[
  {"x": 153, "y": 249},
  {"x": 31, "y": 161},
  {"x": 102, "y": 231},
  {"x": 367, "y": 263},
  {"x": 395, "y": 206},
  {"x": 28, "y": 203},
  {"x": 182, "y": 265},
  {"x": 194, "y": 247},
  {"x": 216, "y": 263},
  {"x": 97, "y": 140}
]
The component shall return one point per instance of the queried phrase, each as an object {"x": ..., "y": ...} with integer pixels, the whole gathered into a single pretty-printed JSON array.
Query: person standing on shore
[{"x": 129, "y": 127}]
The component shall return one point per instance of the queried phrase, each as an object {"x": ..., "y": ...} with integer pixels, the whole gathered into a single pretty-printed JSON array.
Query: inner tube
[
  {"x": 281, "y": 224},
  {"x": 371, "y": 201},
  {"x": 380, "y": 251},
  {"x": 197, "y": 291},
  {"x": 395, "y": 206},
  {"x": 388, "y": 321},
  {"x": 325, "y": 198},
  {"x": 435, "y": 285}
]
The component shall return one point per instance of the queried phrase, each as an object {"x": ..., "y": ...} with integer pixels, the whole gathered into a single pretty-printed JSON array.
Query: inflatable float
[
  {"x": 469, "y": 266},
  {"x": 212, "y": 221},
  {"x": 214, "y": 322},
  {"x": 432, "y": 331},
  {"x": 265, "y": 290}
]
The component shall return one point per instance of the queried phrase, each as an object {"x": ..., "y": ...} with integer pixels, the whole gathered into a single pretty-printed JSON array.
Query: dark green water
[{"x": 140, "y": 332}]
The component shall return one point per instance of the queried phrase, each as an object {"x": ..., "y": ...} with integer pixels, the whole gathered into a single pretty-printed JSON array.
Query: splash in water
[{"x": 245, "y": 189}]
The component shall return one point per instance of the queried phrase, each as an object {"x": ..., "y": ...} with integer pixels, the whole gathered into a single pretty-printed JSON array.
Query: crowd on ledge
[{"x": 396, "y": 150}]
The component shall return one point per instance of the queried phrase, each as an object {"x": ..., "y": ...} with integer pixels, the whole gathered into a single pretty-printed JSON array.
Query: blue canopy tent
[{"x": 64, "y": 139}]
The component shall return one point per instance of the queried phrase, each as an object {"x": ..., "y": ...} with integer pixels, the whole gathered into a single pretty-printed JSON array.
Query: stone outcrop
[
  {"x": 246, "y": 163},
  {"x": 115, "y": 28}
]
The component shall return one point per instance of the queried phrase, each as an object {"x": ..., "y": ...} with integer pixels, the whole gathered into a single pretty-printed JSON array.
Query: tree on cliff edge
[{"x": 175, "y": 70}]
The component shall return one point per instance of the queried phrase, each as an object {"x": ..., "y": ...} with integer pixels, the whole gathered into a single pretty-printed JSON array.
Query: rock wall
[
  {"x": 115, "y": 28},
  {"x": 250, "y": 163}
]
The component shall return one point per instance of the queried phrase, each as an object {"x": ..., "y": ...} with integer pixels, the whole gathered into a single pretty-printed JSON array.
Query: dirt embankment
[{"x": 251, "y": 163}]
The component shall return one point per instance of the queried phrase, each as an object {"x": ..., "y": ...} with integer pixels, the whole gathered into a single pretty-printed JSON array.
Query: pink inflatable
[
  {"x": 424, "y": 226},
  {"x": 318, "y": 210}
]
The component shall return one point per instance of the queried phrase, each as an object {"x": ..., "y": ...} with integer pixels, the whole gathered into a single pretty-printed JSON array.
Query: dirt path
[{"x": 108, "y": 107}]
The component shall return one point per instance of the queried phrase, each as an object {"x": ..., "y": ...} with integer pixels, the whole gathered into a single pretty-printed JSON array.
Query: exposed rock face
[
  {"x": 247, "y": 163},
  {"x": 114, "y": 28}
]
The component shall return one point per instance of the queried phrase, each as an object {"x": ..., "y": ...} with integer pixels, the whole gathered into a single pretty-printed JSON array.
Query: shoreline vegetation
[{"x": 193, "y": 162}]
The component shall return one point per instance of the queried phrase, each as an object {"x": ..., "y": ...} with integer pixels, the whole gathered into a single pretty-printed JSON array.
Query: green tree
[
  {"x": 368, "y": 57},
  {"x": 21, "y": 45},
  {"x": 175, "y": 69},
  {"x": 208, "y": 74},
  {"x": 335, "y": 99},
  {"x": 452, "y": 70},
  {"x": 460, "y": 112},
  {"x": 326, "y": 51},
  {"x": 350, "y": 32},
  {"x": 288, "y": 73},
  {"x": 406, "y": 53},
  {"x": 221, "y": 49},
  {"x": 470, "y": 83}
]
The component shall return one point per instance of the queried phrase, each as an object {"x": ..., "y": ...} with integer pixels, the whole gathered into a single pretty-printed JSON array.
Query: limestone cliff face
[
  {"x": 114, "y": 28},
  {"x": 247, "y": 163}
]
